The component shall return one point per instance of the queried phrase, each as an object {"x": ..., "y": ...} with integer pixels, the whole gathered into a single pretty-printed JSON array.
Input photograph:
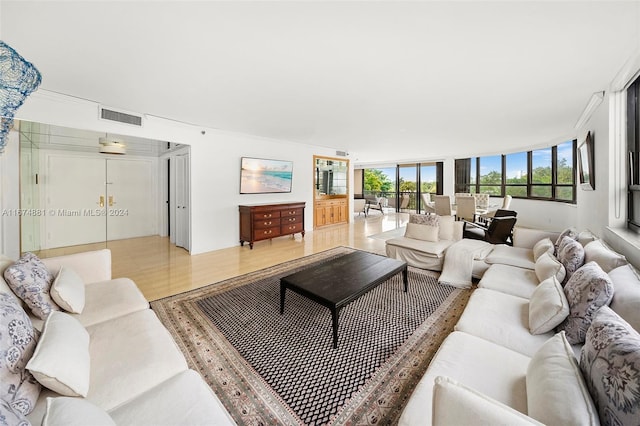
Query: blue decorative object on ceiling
[{"x": 18, "y": 78}]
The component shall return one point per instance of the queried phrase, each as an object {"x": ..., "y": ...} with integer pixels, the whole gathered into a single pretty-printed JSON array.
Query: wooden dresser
[{"x": 265, "y": 221}]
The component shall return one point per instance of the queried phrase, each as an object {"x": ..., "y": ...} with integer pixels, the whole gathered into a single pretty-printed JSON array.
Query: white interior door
[
  {"x": 181, "y": 194},
  {"x": 130, "y": 199},
  {"x": 74, "y": 190},
  {"x": 94, "y": 199}
]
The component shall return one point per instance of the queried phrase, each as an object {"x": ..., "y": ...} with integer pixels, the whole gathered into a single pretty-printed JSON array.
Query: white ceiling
[{"x": 383, "y": 80}]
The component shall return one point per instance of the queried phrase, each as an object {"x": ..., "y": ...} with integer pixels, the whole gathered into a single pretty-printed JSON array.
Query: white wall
[
  {"x": 215, "y": 165},
  {"x": 593, "y": 206}
]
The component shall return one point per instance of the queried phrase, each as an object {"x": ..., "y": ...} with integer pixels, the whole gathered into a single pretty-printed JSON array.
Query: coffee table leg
[
  {"x": 334, "y": 318},
  {"x": 283, "y": 289},
  {"x": 405, "y": 278}
]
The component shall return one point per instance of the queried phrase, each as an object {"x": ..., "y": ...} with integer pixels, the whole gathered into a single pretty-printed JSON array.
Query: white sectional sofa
[
  {"x": 130, "y": 368},
  {"x": 426, "y": 253},
  {"x": 493, "y": 369}
]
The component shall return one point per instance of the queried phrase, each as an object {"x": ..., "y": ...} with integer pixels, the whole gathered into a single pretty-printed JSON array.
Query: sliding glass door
[{"x": 405, "y": 187}]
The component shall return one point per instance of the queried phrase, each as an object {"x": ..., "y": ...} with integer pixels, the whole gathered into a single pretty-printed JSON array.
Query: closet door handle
[{"x": 101, "y": 201}]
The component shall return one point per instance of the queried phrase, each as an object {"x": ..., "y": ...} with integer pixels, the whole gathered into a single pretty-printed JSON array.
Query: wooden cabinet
[
  {"x": 330, "y": 211},
  {"x": 265, "y": 221},
  {"x": 331, "y": 191}
]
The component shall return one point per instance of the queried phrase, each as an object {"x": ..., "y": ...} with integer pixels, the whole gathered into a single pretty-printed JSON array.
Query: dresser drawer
[
  {"x": 266, "y": 215},
  {"x": 291, "y": 212},
  {"x": 290, "y": 228},
  {"x": 266, "y": 223},
  {"x": 261, "y": 234},
  {"x": 291, "y": 220}
]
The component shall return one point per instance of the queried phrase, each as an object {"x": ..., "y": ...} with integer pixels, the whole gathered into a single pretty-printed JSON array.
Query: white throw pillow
[
  {"x": 421, "y": 232},
  {"x": 61, "y": 360},
  {"x": 545, "y": 245},
  {"x": 548, "y": 266},
  {"x": 606, "y": 258},
  {"x": 457, "y": 404},
  {"x": 67, "y": 290},
  {"x": 65, "y": 411},
  {"x": 548, "y": 306},
  {"x": 626, "y": 294},
  {"x": 556, "y": 391},
  {"x": 446, "y": 228}
]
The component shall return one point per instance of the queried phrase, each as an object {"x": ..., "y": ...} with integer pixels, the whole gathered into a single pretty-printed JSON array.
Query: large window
[
  {"x": 547, "y": 174},
  {"x": 490, "y": 175}
]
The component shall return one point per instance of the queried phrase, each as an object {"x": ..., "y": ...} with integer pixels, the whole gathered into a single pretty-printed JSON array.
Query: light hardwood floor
[{"x": 161, "y": 269}]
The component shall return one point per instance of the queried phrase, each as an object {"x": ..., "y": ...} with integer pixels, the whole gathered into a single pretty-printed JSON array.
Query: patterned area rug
[{"x": 269, "y": 368}]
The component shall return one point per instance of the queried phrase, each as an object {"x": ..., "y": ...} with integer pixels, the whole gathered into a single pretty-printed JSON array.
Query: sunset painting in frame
[{"x": 260, "y": 176}]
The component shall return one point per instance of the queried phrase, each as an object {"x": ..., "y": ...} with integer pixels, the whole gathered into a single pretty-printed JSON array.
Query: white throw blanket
[{"x": 458, "y": 261}]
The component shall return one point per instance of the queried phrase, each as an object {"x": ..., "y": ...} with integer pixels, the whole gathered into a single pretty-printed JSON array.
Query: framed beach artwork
[{"x": 262, "y": 176}]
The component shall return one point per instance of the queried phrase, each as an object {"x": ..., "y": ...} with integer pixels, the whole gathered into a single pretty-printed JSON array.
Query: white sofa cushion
[
  {"x": 547, "y": 266},
  {"x": 129, "y": 355},
  {"x": 17, "y": 343},
  {"x": 447, "y": 228},
  {"x": 502, "y": 319},
  {"x": 610, "y": 363},
  {"x": 418, "y": 231},
  {"x": 513, "y": 256},
  {"x": 588, "y": 289},
  {"x": 545, "y": 245},
  {"x": 608, "y": 259},
  {"x": 30, "y": 280},
  {"x": 66, "y": 411},
  {"x": 556, "y": 391},
  {"x": 67, "y": 290},
  {"x": 457, "y": 404},
  {"x": 548, "y": 306},
  {"x": 626, "y": 295},
  {"x": 496, "y": 371},
  {"x": 433, "y": 249},
  {"x": 91, "y": 266},
  {"x": 61, "y": 359},
  {"x": 510, "y": 280},
  {"x": 184, "y": 399}
]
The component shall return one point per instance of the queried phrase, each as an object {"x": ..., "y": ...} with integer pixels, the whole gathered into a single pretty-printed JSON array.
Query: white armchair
[{"x": 360, "y": 206}]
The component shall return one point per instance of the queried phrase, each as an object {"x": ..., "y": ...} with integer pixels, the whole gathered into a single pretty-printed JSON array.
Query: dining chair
[
  {"x": 506, "y": 202},
  {"x": 466, "y": 208},
  {"x": 462, "y": 194},
  {"x": 443, "y": 205},
  {"x": 482, "y": 201},
  {"x": 404, "y": 202},
  {"x": 427, "y": 204}
]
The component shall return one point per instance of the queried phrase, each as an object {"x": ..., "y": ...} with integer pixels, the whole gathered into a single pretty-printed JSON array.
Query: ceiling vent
[
  {"x": 342, "y": 153},
  {"x": 121, "y": 117}
]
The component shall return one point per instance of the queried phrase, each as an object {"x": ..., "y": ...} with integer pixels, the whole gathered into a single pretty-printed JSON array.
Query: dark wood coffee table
[{"x": 340, "y": 281}]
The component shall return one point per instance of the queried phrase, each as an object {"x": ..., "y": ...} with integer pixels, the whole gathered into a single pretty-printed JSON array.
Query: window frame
[
  {"x": 633, "y": 149},
  {"x": 554, "y": 185}
]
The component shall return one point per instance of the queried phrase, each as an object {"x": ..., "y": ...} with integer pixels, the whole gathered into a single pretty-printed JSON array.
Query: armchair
[
  {"x": 499, "y": 231},
  {"x": 360, "y": 206}
]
